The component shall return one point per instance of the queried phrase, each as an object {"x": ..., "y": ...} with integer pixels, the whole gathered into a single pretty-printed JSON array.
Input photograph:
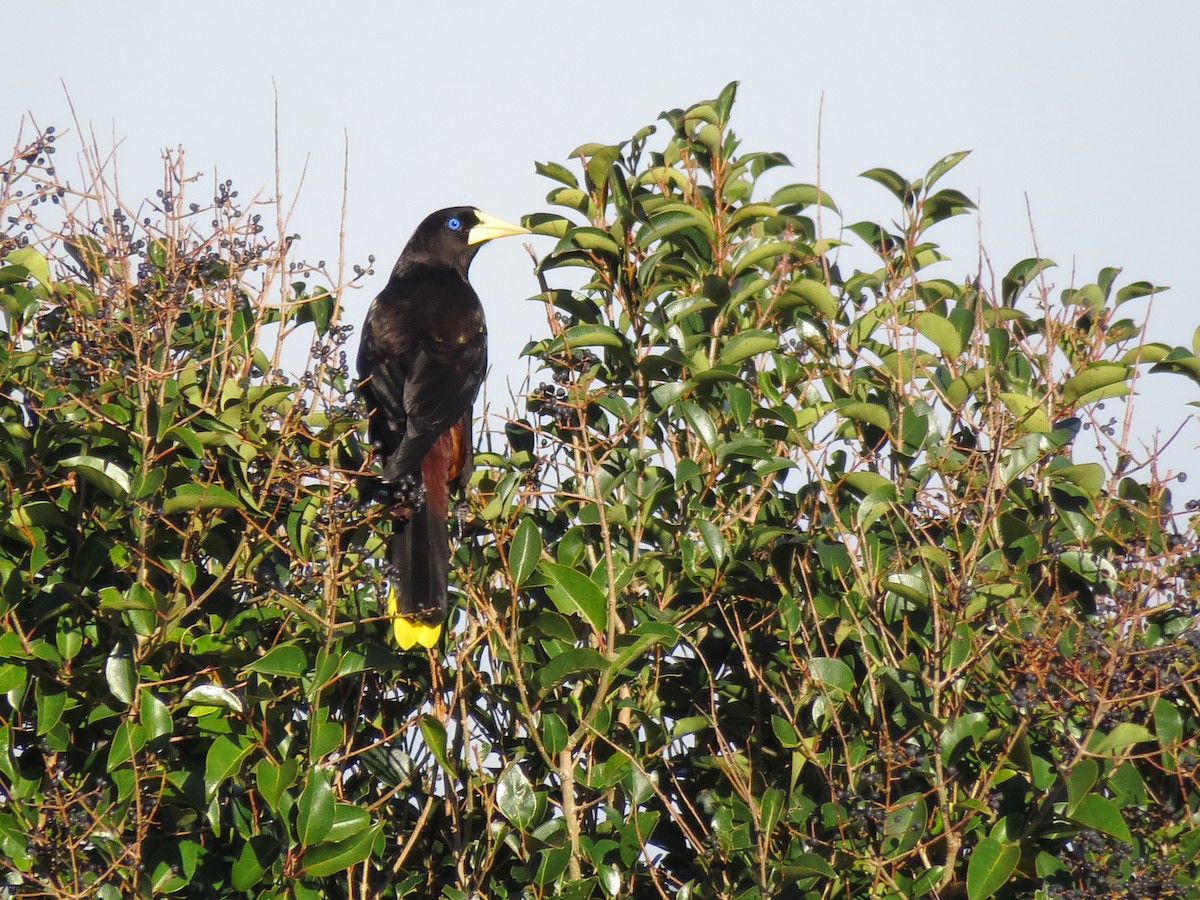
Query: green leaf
[
  {"x": 435, "y": 739},
  {"x": 815, "y": 295},
  {"x": 1080, "y": 780},
  {"x": 831, "y": 672},
  {"x": 714, "y": 541},
  {"x": 992, "y": 864},
  {"x": 1019, "y": 277},
  {"x": 127, "y": 740},
  {"x": 1138, "y": 289},
  {"x": 891, "y": 180},
  {"x": 808, "y": 864},
  {"x": 1093, "y": 378},
  {"x": 273, "y": 780},
  {"x": 286, "y": 660},
  {"x": 315, "y": 809},
  {"x": 800, "y": 196},
  {"x": 594, "y": 239},
  {"x": 785, "y": 731},
  {"x": 645, "y": 636},
  {"x": 568, "y": 663},
  {"x": 213, "y": 695},
  {"x": 1102, "y": 814},
  {"x": 106, "y": 475},
  {"x": 557, "y": 172},
  {"x": 1168, "y": 723},
  {"x": 33, "y": 262},
  {"x": 324, "y": 860},
  {"x": 1029, "y": 411},
  {"x": 746, "y": 344},
  {"x": 944, "y": 334},
  {"x": 154, "y": 715},
  {"x": 223, "y": 760},
  {"x": 256, "y": 856},
  {"x": 348, "y": 820},
  {"x": 576, "y": 594},
  {"x": 195, "y": 497},
  {"x": 870, "y": 413},
  {"x": 51, "y": 703},
  {"x": 120, "y": 674},
  {"x": 944, "y": 165},
  {"x": 515, "y": 797},
  {"x": 699, "y": 422},
  {"x": 1123, "y": 734},
  {"x": 525, "y": 551},
  {"x": 970, "y": 726},
  {"x": 760, "y": 256},
  {"x": 554, "y": 733}
]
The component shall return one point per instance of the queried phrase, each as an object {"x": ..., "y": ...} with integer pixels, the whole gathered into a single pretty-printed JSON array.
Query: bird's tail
[
  {"x": 419, "y": 551},
  {"x": 419, "y": 554}
]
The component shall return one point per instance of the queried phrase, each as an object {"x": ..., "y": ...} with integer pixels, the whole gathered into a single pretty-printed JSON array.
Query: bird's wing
[
  {"x": 381, "y": 386},
  {"x": 438, "y": 388}
]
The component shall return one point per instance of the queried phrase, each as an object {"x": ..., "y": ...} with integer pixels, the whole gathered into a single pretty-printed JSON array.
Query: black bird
[{"x": 420, "y": 364}]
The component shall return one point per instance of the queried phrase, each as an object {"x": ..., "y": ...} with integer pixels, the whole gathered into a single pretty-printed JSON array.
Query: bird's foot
[{"x": 462, "y": 512}]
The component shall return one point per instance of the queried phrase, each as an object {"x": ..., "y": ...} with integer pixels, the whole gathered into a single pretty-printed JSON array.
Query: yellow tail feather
[{"x": 410, "y": 632}]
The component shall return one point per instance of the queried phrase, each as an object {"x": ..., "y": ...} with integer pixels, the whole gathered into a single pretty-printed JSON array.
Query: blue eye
[{"x": 454, "y": 224}]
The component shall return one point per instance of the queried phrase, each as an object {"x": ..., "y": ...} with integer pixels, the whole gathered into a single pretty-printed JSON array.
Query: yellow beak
[{"x": 490, "y": 227}]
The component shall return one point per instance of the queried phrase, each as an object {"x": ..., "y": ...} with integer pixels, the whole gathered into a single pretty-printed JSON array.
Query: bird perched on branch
[{"x": 420, "y": 364}]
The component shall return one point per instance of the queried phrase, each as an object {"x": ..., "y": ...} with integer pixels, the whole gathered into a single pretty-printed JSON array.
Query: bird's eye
[{"x": 454, "y": 224}]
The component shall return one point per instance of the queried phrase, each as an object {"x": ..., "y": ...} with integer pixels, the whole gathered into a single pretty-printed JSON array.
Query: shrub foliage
[{"x": 784, "y": 582}]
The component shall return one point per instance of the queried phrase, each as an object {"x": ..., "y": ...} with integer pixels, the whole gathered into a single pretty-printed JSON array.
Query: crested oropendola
[{"x": 420, "y": 364}]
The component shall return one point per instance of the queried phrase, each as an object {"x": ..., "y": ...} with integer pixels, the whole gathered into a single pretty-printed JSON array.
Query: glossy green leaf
[
  {"x": 831, "y": 672},
  {"x": 515, "y": 797},
  {"x": 554, "y": 733},
  {"x": 700, "y": 423},
  {"x": 574, "y": 593},
  {"x": 714, "y": 541},
  {"x": 1168, "y": 723},
  {"x": 213, "y": 695},
  {"x": 104, "y": 474},
  {"x": 942, "y": 333},
  {"x": 348, "y": 820},
  {"x": 273, "y": 779},
  {"x": 315, "y": 809},
  {"x": 939, "y": 169},
  {"x": 801, "y": 195},
  {"x": 968, "y": 727},
  {"x": 222, "y": 761},
  {"x": 120, "y": 674},
  {"x": 1122, "y": 736},
  {"x": 1020, "y": 276},
  {"x": 287, "y": 660},
  {"x": 256, "y": 856},
  {"x": 870, "y": 413},
  {"x": 568, "y": 663},
  {"x": 328, "y": 859},
  {"x": 154, "y": 715},
  {"x": 525, "y": 551},
  {"x": 746, "y": 344},
  {"x": 195, "y": 498},
  {"x": 1102, "y": 814},
  {"x": 32, "y": 261},
  {"x": 891, "y": 180},
  {"x": 991, "y": 865},
  {"x": 434, "y": 734},
  {"x": 1093, "y": 378},
  {"x": 1080, "y": 780}
]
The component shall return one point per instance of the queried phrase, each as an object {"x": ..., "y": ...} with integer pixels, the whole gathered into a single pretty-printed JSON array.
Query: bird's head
[{"x": 451, "y": 237}]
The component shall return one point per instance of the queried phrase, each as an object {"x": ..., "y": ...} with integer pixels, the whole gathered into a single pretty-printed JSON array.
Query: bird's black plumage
[{"x": 420, "y": 364}]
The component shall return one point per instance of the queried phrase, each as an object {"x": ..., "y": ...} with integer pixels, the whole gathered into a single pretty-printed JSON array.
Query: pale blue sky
[{"x": 1091, "y": 109}]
